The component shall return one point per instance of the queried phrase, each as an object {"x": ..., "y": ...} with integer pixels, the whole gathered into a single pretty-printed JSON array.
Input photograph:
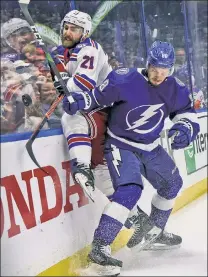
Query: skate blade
[
  {"x": 81, "y": 180},
  {"x": 160, "y": 247},
  {"x": 152, "y": 235},
  {"x": 99, "y": 270}
]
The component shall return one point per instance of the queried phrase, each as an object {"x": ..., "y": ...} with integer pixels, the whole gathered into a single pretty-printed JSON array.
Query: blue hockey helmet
[{"x": 161, "y": 54}]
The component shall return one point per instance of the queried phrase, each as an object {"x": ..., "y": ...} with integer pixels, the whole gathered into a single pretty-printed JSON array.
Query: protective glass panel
[
  {"x": 125, "y": 30},
  {"x": 117, "y": 27},
  {"x": 24, "y": 69},
  {"x": 165, "y": 22},
  {"x": 197, "y": 28}
]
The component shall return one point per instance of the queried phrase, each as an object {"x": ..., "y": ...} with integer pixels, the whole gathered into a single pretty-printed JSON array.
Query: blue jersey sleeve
[
  {"x": 112, "y": 89},
  {"x": 183, "y": 106}
]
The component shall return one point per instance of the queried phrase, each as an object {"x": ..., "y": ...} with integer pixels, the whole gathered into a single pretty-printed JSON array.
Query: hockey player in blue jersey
[
  {"x": 69, "y": 58},
  {"x": 140, "y": 100}
]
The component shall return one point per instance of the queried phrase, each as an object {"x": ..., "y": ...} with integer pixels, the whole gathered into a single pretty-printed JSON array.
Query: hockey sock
[
  {"x": 116, "y": 212},
  {"x": 159, "y": 217},
  {"x": 161, "y": 210},
  {"x": 80, "y": 148}
]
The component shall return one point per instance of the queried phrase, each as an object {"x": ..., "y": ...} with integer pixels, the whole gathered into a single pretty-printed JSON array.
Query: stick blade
[{"x": 32, "y": 156}]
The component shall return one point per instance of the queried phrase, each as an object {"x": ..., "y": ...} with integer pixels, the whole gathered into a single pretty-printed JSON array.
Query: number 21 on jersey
[{"x": 88, "y": 62}]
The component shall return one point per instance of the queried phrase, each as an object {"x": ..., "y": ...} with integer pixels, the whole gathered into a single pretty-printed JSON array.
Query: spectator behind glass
[
  {"x": 180, "y": 58},
  {"x": 17, "y": 33},
  {"x": 34, "y": 55},
  {"x": 47, "y": 96},
  {"x": 198, "y": 95},
  {"x": 6, "y": 65},
  {"x": 29, "y": 51},
  {"x": 45, "y": 71},
  {"x": 181, "y": 67},
  {"x": 34, "y": 113},
  {"x": 114, "y": 63},
  {"x": 181, "y": 71},
  {"x": 13, "y": 85},
  {"x": 13, "y": 111}
]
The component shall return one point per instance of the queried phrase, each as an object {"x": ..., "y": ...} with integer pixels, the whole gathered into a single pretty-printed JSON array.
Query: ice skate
[
  {"x": 145, "y": 232},
  {"x": 165, "y": 241},
  {"x": 101, "y": 263},
  {"x": 84, "y": 177}
]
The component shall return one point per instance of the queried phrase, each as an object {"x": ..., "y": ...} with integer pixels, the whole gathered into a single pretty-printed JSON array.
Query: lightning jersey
[{"x": 139, "y": 108}]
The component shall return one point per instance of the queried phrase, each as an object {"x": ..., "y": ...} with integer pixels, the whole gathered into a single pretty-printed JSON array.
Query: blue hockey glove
[
  {"x": 183, "y": 133},
  {"x": 82, "y": 101},
  {"x": 77, "y": 105}
]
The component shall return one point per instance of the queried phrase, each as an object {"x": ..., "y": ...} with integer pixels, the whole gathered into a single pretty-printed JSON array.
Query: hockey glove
[
  {"x": 57, "y": 84},
  {"x": 78, "y": 104},
  {"x": 83, "y": 101},
  {"x": 183, "y": 133}
]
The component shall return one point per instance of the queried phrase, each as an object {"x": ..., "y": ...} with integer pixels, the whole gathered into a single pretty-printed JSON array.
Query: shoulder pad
[
  {"x": 58, "y": 50},
  {"x": 87, "y": 42},
  {"x": 122, "y": 71},
  {"x": 81, "y": 45},
  {"x": 179, "y": 82}
]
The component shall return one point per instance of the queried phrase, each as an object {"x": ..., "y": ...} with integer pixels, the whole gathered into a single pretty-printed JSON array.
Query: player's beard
[{"x": 69, "y": 43}]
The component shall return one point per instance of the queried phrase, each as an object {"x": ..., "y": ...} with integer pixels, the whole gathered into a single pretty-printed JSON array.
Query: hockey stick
[
  {"x": 39, "y": 127},
  {"x": 24, "y": 7}
]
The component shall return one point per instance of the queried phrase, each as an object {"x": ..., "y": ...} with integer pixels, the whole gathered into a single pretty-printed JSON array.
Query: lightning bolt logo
[
  {"x": 116, "y": 158},
  {"x": 147, "y": 114}
]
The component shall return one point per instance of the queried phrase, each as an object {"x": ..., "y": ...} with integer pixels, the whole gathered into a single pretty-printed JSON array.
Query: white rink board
[{"x": 39, "y": 227}]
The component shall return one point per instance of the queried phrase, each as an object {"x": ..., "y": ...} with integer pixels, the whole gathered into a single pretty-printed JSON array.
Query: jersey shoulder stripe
[{"x": 85, "y": 43}]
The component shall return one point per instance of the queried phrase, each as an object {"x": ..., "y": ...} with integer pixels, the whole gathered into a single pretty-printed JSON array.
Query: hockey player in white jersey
[{"x": 87, "y": 64}]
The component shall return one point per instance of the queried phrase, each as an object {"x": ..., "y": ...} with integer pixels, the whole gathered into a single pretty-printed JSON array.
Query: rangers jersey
[
  {"x": 86, "y": 63},
  {"x": 88, "y": 66}
]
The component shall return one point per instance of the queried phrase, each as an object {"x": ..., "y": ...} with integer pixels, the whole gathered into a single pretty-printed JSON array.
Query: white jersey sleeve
[{"x": 88, "y": 68}]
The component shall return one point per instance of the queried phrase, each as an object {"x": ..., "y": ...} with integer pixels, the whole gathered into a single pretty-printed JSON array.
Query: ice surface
[{"x": 188, "y": 260}]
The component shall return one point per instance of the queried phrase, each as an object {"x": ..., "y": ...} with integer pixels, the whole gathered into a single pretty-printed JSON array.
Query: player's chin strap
[{"x": 171, "y": 71}]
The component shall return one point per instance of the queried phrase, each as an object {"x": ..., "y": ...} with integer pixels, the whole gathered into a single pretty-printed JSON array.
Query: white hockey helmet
[
  {"x": 78, "y": 18},
  {"x": 13, "y": 25}
]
